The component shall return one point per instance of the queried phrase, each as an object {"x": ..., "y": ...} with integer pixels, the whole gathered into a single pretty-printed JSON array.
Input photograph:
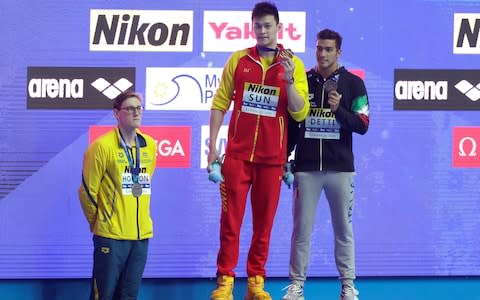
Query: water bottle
[
  {"x": 288, "y": 175},
  {"x": 215, "y": 174}
]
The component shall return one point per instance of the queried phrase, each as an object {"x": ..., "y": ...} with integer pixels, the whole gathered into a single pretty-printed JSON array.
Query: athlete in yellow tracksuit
[{"x": 115, "y": 197}]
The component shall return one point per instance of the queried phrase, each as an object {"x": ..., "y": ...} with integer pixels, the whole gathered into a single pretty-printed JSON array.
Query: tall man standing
[
  {"x": 324, "y": 161},
  {"x": 266, "y": 83},
  {"x": 115, "y": 197}
]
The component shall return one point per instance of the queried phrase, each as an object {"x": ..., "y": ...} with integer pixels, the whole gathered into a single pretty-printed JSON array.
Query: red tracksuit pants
[{"x": 265, "y": 182}]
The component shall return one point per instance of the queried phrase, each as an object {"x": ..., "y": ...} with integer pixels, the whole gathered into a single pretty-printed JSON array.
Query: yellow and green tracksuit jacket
[{"x": 105, "y": 194}]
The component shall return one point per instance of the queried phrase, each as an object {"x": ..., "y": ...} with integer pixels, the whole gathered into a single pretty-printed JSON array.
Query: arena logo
[
  {"x": 66, "y": 88},
  {"x": 55, "y": 88},
  {"x": 181, "y": 88},
  {"x": 227, "y": 31},
  {"x": 466, "y": 147},
  {"x": 141, "y": 30},
  {"x": 173, "y": 143},
  {"x": 469, "y": 90},
  {"x": 466, "y": 33},
  {"x": 421, "y": 90},
  {"x": 111, "y": 90},
  {"x": 76, "y": 87},
  {"x": 436, "y": 90}
]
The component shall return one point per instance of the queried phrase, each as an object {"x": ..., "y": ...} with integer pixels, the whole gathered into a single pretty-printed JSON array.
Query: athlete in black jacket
[
  {"x": 324, "y": 161},
  {"x": 324, "y": 140}
]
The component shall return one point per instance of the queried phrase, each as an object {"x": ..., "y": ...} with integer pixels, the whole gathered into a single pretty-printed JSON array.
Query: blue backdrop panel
[{"x": 415, "y": 214}]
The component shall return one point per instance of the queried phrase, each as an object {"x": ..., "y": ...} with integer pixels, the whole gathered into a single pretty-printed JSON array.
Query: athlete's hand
[
  {"x": 334, "y": 100},
  {"x": 287, "y": 55},
  {"x": 212, "y": 156}
]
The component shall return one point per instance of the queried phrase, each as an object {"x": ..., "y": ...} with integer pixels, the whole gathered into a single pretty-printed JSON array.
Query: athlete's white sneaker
[
  {"x": 294, "y": 292},
  {"x": 348, "y": 293}
]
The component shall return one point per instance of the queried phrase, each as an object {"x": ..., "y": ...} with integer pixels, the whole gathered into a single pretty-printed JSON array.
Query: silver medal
[
  {"x": 330, "y": 85},
  {"x": 136, "y": 189}
]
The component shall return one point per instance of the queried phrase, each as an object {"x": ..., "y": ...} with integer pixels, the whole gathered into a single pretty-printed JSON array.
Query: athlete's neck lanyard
[
  {"x": 266, "y": 49},
  {"x": 134, "y": 170}
]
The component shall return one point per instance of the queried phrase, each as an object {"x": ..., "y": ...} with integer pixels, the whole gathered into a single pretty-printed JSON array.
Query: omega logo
[{"x": 470, "y": 142}]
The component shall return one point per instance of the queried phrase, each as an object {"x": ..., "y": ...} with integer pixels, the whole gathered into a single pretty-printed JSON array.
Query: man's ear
[{"x": 115, "y": 113}]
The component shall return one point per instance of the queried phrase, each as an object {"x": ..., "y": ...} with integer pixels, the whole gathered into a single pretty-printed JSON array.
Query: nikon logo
[
  {"x": 466, "y": 34},
  {"x": 141, "y": 30}
]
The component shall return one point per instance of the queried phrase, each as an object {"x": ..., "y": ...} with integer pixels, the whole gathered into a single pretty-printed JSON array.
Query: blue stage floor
[{"x": 417, "y": 288}]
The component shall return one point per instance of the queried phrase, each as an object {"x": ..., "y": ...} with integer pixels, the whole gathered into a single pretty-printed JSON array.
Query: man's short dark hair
[
  {"x": 266, "y": 8},
  {"x": 117, "y": 101},
  {"x": 328, "y": 34}
]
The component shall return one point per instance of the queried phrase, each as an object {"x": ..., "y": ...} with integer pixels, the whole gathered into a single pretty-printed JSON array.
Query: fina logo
[
  {"x": 469, "y": 90},
  {"x": 111, "y": 90}
]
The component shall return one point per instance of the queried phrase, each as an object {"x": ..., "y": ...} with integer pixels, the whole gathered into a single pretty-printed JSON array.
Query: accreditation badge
[
  {"x": 140, "y": 186},
  {"x": 322, "y": 124},
  {"x": 260, "y": 99}
]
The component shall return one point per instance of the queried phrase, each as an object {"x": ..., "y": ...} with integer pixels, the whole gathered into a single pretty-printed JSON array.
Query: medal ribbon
[
  {"x": 266, "y": 49},
  {"x": 135, "y": 171}
]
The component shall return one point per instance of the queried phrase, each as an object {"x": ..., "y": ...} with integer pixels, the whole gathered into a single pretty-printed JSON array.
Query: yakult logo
[
  {"x": 173, "y": 143},
  {"x": 227, "y": 31},
  {"x": 466, "y": 141}
]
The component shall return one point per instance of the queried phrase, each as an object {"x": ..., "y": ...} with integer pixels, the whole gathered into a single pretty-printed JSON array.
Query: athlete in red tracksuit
[{"x": 266, "y": 83}]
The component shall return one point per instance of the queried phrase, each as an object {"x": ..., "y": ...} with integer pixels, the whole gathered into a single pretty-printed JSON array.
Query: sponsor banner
[
  {"x": 227, "y": 31},
  {"x": 436, "y": 89},
  {"x": 465, "y": 145},
  {"x": 221, "y": 143},
  {"x": 181, "y": 88},
  {"x": 173, "y": 143},
  {"x": 76, "y": 87},
  {"x": 466, "y": 33},
  {"x": 141, "y": 30}
]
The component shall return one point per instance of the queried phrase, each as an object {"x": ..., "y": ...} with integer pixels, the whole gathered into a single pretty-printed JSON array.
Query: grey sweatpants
[{"x": 339, "y": 190}]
